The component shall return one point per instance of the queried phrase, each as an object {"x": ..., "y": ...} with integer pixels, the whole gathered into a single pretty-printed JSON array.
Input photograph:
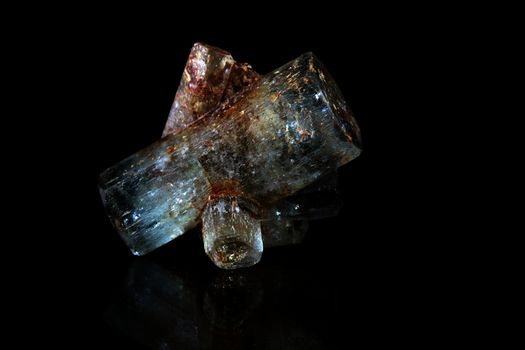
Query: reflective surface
[
  {"x": 306, "y": 296},
  {"x": 266, "y": 307}
]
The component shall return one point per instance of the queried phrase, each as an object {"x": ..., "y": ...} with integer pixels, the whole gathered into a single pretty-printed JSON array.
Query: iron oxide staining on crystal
[{"x": 239, "y": 153}]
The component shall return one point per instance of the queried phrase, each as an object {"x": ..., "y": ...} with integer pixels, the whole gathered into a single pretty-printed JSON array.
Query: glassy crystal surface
[
  {"x": 152, "y": 199},
  {"x": 279, "y": 135},
  {"x": 231, "y": 233}
]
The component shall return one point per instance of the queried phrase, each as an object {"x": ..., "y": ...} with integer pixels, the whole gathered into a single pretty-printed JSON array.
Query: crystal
[
  {"x": 231, "y": 233},
  {"x": 268, "y": 139},
  {"x": 152, "y": 199},
  {"x": 211, "y": 76}
]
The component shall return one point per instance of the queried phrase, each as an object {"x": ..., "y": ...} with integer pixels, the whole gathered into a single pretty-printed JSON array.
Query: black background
[{"x": 359, "y": 277}]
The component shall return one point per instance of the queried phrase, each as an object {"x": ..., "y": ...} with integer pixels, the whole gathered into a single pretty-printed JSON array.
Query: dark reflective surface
[
  {"x": 164, "y": 308},
  {"x": 274, "y": 305}
]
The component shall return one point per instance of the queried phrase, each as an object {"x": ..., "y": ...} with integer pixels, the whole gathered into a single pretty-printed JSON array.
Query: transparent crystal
[{"x": 231, "y": 233}]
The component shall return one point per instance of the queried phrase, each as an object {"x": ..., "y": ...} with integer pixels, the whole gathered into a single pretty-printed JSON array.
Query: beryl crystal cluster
[{"x": 252, "y": 157}]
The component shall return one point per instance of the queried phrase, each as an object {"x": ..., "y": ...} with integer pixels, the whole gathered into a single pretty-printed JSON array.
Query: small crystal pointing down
[{"x": 231, "y": 234}]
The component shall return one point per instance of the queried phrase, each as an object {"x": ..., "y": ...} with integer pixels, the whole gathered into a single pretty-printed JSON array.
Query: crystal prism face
[
  {"x": 262, "y": 139},
  {"x": 152, "y": 199},
  {"x": 231, "y": 234}
]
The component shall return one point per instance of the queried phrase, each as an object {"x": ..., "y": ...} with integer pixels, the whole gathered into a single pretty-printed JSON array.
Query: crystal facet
[{"x": 244, "y": 139}]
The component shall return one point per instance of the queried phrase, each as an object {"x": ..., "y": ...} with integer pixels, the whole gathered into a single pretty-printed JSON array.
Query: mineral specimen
[{"x": 235, "y": 146}]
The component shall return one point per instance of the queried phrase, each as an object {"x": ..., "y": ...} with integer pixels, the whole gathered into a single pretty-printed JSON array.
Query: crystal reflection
[{"x": 263, "y": 307}]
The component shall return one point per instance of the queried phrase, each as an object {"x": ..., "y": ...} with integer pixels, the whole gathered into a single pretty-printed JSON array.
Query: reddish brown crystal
[{"x": 211, "y": 77}]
